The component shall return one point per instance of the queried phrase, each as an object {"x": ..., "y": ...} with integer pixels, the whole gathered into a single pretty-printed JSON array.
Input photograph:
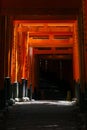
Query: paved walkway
[{"x": 44, "y": 115}]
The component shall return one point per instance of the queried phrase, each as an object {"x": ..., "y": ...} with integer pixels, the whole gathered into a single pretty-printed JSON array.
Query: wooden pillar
[
  {"x": 32, "y": 62},
  {"x": 35, "y": 72},
  {"x": 21, "y": 59},
  {"x": 76, "y": 62},
  {"x": 76, "y": 57},
  {"x": 5, "y": 45},
  {"x": 2, "y": 50},
  {"x": 14, "y": 55},
  {"x": 8, "y": 44},
  {"x": 84, "y": 7},
  {"x": 81, "y": 51}
]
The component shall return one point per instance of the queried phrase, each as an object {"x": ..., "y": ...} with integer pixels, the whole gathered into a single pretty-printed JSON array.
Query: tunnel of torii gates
[{"x": 46, "y": 39}]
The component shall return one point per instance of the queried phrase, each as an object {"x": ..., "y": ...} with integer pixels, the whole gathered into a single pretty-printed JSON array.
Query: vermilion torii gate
[{"x": 42, "y": 34}]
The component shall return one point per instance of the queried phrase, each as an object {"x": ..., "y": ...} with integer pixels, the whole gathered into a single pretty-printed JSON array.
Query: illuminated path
[{"x": 45, "y": 115}]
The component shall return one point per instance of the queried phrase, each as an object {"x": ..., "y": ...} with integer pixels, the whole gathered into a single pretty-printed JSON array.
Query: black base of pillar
[
  {"x": 20, "y": 91},
  {"x": 15, "y": 90},
  {"x": 7, "y": 86},
  {"x": 24, "y": 88},
  {"x": 2, "y": 99},
  {"x": 81, "y": 102}
]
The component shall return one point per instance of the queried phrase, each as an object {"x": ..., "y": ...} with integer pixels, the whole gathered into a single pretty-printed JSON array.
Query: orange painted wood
[
  {"x": 68, "y": 34},
  {"x": 44, "y": 21},
  {"x": 69, "y": 51},
  {"x": 50, "y": 43}
]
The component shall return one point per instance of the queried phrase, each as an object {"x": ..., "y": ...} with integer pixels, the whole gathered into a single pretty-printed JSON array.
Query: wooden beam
[
  {"x": 50, "y": 43},
  {"x": 61, "y": 56},
  {"x": 67, "y": 51},
  {"x": 21, "y": 21},
  {"x": 31, "y": 34}
]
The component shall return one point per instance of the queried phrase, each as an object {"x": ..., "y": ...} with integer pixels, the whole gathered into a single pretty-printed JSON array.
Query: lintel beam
[
  {"x": 68, "y": 51},
  {"x": 50, "y": 43},
  {"x": 50, "y": 33}
]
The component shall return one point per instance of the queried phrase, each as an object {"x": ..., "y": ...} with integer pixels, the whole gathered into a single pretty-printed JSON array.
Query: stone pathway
[{"x": 46, "y": 115}]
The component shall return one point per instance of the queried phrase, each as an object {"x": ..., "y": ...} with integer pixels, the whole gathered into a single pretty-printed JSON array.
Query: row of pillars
[{"x": 16, "y": 90}]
